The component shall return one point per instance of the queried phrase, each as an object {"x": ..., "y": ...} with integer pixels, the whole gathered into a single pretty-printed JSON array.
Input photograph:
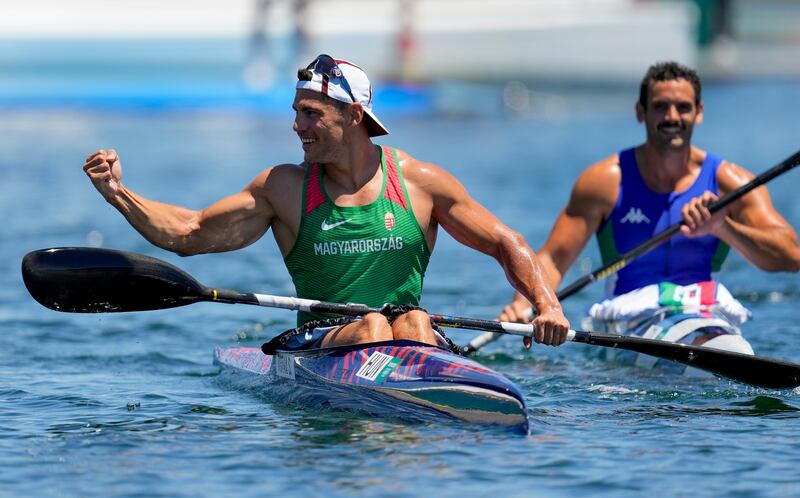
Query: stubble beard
[
  {"x": 317, "y": 155},
  {"x": 671, "y": 144}
]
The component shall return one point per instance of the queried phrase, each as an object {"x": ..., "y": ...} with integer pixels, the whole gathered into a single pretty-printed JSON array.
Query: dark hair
[{"x": 667, "y": 71}]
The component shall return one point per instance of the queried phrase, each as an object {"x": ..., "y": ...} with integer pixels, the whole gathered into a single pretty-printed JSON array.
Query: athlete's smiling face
[
  {"x": 320, "y": 123},
  {"x": 671, "y": 113}
]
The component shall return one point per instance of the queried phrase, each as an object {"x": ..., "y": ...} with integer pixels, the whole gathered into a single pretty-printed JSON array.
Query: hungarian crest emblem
[{"x": 388, "y": 220}]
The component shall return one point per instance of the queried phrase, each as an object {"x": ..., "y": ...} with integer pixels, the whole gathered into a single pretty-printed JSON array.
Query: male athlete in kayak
[
  {"x": 627, "y": 198},
  {"x": 355, "y": 222}
]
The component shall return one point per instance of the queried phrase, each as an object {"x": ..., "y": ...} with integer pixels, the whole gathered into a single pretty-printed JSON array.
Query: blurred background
[{"x": 244, "y": 52}]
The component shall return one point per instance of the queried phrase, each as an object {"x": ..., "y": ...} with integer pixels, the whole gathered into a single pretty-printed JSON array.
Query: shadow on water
[
  {"x": 763, "y": 405},
  {"x": 759, "y": 406}
]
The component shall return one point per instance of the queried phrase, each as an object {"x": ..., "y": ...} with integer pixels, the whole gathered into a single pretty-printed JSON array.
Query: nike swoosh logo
[{"x": 325, "y": 226}]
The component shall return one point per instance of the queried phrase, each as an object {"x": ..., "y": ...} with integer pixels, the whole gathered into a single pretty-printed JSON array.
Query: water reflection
[{"x": 759, "y": 406}]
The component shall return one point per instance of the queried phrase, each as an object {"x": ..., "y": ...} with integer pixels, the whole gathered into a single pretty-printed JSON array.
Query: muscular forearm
[
  {"x": 164, "y": 225},
  {"x": 527, "y": 275},
  {"x": 553, "y": 277},
  {"x": 770, "y": 249},
  {"x": 230, "y": 223}
]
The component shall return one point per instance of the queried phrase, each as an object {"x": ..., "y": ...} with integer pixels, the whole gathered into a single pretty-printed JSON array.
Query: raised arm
[
  {"x": 230, "y": 223},
  {"x": 750, "y": 225},
  {"x": 474, "y": 226},
  {"x": 590, "y": 203}
]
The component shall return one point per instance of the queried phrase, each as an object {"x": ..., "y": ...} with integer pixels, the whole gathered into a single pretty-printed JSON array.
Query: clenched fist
[{"x": 104, "y": 169}]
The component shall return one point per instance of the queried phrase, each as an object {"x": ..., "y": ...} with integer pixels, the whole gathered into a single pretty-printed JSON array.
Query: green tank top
[{"x": 373, "y": 254}]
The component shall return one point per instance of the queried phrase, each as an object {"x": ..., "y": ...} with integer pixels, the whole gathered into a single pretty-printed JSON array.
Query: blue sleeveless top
[{"x": 640, "y": 214}]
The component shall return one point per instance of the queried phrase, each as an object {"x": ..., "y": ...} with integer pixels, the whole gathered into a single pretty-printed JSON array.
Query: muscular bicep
[
  {"x": 755, "y": 209},
  {"x": 590, "y": 204},
  {"x": 464, "y": 218},
  {"x": 235, "y": 221}
]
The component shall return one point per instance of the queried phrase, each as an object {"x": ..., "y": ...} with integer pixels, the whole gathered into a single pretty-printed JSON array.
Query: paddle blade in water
[
  {"x": 93, "y": 280},
  {"x": 752, "y": 370}
]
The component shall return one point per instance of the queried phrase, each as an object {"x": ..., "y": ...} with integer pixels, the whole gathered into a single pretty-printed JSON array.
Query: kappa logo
[
  {"x": 325, "y": 226},
  {"x": 635, "y": 215}
]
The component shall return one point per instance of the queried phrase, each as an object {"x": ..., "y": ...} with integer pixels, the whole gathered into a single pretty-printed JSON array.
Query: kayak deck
[
  {"x": 705, "y": 329},
  {"x": 397, "y": 379}
]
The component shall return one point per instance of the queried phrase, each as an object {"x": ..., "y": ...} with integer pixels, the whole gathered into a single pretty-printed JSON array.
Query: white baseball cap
[{"x": 343, "y": 81}]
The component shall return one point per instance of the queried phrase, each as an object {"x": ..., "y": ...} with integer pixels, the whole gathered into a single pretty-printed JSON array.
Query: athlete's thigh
[
  {"x": 414, "y": 326},
  {"x": 371, "y": 328}
]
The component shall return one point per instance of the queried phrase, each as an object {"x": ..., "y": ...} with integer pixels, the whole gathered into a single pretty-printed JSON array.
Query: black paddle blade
[
  {"x": 93, "y": 280},
  {"x": 752, "y": 370}
]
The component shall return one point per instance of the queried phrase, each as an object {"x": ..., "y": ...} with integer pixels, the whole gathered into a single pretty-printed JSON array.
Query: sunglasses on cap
[{"x": 328, "y": 68}]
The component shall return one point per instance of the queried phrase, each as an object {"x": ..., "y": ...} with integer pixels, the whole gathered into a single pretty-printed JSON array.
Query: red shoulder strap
[
  {"x": 314, "y": 195},
  {"x": 394, "y": 189}
]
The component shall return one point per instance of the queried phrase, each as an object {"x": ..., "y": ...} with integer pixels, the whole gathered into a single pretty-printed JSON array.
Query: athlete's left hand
[
  {"x": 698, "y": 220},
  {"x": 550, "y": 328}
]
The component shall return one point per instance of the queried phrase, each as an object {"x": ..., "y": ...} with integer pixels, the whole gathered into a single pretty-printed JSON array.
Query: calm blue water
[{"x": 129, "y": 405}]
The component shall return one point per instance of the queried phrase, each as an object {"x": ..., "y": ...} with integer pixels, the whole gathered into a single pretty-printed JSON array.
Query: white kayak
[{"x": 708, "y": 328}]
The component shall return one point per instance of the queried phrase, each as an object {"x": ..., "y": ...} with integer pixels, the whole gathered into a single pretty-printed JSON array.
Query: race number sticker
[
  {"x": 284, "y": 366},
  {"x": 378, "y": 367}
]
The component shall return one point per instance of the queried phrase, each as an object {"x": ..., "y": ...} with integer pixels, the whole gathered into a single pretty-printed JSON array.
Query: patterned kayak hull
[
  {"x": 705, "y": 329},
  {"x": 397, "y": 379}
]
